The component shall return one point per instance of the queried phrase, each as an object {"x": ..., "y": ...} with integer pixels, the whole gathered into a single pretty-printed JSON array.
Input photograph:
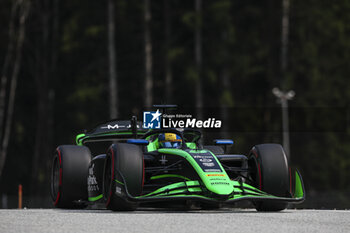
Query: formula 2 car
[{"x": 137, "y": 167}]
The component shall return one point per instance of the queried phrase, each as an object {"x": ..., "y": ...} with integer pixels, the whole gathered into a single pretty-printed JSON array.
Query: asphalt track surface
[{"x": 151, "y": 220}]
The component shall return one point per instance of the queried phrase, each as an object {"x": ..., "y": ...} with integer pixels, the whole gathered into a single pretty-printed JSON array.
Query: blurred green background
[{"x": 58, "y": 60}]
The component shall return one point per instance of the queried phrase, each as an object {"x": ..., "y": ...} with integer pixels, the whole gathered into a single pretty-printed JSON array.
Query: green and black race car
[{"x": 124, "y": 166}]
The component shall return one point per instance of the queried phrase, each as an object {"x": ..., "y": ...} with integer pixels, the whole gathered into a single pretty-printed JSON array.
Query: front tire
[
  {"x": 69, "y": 176},
  {"x": 270, "y": 173},
  {"x": 127, "y": 160}
]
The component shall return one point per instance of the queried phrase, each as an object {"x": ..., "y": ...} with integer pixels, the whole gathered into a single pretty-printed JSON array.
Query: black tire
[
  {"x": 270, "y": 173},
  {"x": 69, "y": 176},
  {"x": 125, "y": 159}
]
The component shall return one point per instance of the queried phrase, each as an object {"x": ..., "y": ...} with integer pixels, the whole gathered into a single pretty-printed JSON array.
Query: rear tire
[
  {"x": 69, "y": 176},
  {"x": 270, "y": 174},
  {"x": 125, "y": 159}
]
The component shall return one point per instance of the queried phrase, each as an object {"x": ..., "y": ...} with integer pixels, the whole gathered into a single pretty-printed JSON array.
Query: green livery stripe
[
  {"x": 169, "y": 176},
  {"x": 79, "y": 139},
  {"x": 188, "y": 195},
  {"x": 198, "y": 151},
  {"x": 95, "y": 198},
  {"x": 247, "y": 189},
  {"x": 178, "y": 186},
  {"x": 299, "y": 192},
  {"x": 152, "y": 146},
  {"x": 247, "y": 192},
  {"x": 200, "y": 196},
  {"x": 180, "y": 191},
  {"x": 119, "y": 182},
  {"x": 191, "y": 145}
]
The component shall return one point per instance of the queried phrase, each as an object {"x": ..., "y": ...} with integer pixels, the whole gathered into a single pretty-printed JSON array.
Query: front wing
[{"x": 194, "y": 190}]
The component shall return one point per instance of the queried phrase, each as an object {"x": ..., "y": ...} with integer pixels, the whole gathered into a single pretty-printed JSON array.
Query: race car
[{"x": 125, "y": 166}]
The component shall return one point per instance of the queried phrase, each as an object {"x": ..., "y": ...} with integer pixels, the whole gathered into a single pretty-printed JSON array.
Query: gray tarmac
[{"x": 155, "y": 220}]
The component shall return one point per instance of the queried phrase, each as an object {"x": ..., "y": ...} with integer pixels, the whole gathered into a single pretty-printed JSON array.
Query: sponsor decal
[
  {"x": 91, "y": 180},
  {"x": 220, "y": 183},
  {"x": 118, "y": 190},
  {"x": 213, "y": 170},
  {"x": 93, "y": 188},
  {"x": 163, "y": 160},
  {"x": 203, "y": 159},
  {"x": 215, "y": 174},
  {"x": 209, "y": 164},
  {"x": 212, "y": 179},
  {"x": 118, "y": 126}
]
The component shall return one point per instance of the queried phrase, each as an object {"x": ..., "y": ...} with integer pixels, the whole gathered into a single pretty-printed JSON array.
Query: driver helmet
[{"x": 169, "y": 140}]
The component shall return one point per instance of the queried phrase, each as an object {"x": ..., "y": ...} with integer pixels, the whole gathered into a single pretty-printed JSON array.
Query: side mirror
[
  {"x": 223, "y": 142},
  {"x": 142, "y": 142}
]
